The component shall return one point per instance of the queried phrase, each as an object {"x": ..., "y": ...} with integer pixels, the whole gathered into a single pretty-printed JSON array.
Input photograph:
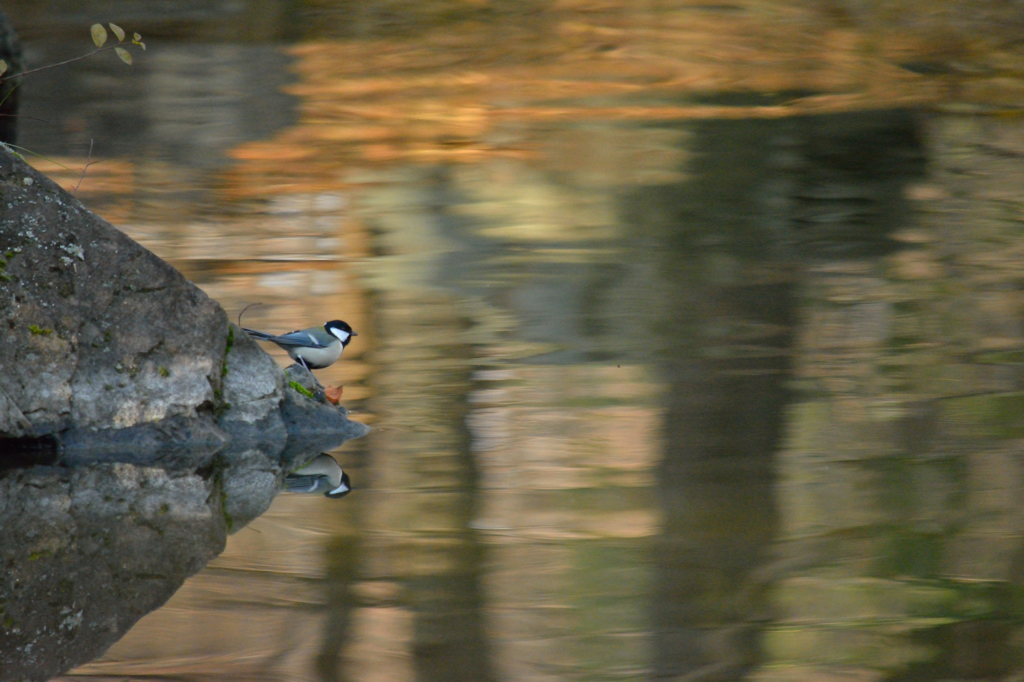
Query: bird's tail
[{"x": 263, "y": 336}]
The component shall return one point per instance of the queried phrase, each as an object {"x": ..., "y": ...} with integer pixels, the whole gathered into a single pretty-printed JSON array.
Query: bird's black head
[
  {"x": 343, "y": 489},
  {"x": 341, "y": 330}
]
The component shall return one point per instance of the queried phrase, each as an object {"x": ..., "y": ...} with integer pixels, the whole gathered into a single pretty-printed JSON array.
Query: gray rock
[
  {"x": 312, "y": 422},
  {"x": 100, "y": 333},
  {"x": 303, "y": 382},
  {"x": 12, "y": 421},
  {"x": 88, "y": 551},
  {"x": 253, "y": 387},
  {"x": 111, "y": 350},
  {"x": 252, "y": 380},
  {"x": 248, "y": 486}
]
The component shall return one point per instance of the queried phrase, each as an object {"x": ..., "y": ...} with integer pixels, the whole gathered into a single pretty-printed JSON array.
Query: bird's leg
[{"x": 302, "y": 362}]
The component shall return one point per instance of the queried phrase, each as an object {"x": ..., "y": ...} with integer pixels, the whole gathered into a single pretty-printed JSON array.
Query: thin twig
[
  {"x": 27, "y": 118},
  {"x": 88, "y": 162},
  {"x": 66, "y": 61},
  {"x": 11, "y": 147},
  {"x": 9, "y": 93},
  {"x": 243, "y": 312}
]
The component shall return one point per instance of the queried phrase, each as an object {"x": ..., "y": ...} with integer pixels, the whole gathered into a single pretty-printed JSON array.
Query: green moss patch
[
  {"x": 302, "y": 389},
  {"x": 227, "y": 349}
]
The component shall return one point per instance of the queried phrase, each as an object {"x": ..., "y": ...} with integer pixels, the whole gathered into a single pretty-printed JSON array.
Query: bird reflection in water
[{"x": 322, "y": 475}]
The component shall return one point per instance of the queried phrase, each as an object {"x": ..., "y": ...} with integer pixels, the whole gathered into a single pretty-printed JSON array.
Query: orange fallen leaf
[{"x": 333, "y": 393}]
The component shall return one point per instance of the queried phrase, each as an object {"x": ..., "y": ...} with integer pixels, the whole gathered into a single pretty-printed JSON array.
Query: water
[{"x": 692, "y": 346}]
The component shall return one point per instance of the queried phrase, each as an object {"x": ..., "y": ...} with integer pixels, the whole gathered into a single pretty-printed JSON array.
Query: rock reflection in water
[{"x": 90, "y": 549}]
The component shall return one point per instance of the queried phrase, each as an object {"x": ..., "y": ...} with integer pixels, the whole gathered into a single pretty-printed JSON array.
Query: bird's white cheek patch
[{"x": 341, "y": 334}]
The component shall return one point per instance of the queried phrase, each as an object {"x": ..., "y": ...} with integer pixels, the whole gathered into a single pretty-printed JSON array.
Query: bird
[
  {"x": 322, "y": 474},
  {"x": 313, "y": 347}
]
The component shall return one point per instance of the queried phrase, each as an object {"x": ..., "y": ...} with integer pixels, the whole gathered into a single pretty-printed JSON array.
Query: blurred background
[{"x": 690, "y": 332}]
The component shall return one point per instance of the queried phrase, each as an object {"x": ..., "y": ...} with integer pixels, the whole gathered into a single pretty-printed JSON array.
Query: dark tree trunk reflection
[{"x": 763, "y": 199}]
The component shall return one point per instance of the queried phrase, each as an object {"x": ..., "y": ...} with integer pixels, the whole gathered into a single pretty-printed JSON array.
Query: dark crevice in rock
[{"x": 19, "y": 453}]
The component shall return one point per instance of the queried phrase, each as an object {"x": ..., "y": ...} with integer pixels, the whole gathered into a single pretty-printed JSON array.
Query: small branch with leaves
[{"x": 99, "y": 37}]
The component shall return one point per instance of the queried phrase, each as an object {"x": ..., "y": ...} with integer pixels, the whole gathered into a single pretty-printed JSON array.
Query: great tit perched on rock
[
  {"x": 314, "y": 347},
  {"x": 322, "y": 475}
]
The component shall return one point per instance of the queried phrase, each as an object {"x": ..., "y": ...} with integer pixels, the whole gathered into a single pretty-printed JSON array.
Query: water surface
[{"x": 690, "y": 334}]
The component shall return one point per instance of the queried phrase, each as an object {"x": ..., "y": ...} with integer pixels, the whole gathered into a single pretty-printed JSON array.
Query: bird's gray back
[{"x": 299, "y": 339}]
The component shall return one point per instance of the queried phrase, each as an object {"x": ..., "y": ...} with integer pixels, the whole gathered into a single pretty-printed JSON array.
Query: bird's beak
[{"x": 355, "y": 334}]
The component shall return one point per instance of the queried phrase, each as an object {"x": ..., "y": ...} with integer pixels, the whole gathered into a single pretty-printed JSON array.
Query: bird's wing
[
  {"x": 303, "y": 484},
  {"x": 299, "y": 339}
]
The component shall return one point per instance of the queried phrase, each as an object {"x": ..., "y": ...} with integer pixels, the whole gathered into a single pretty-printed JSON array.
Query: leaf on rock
[{"x": 333, "y": 393}]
